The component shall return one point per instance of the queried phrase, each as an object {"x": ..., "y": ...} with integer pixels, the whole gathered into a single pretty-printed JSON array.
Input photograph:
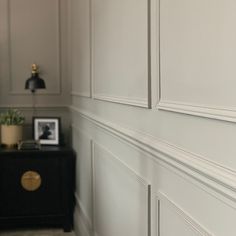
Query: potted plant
[{"x": 11, "y": 127}]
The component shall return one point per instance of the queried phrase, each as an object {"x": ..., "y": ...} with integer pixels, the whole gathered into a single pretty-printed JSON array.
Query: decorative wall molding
[
  {"x": 80, "y": 45},
  {"x": 91, "y": 43},
  {"x": 218, "y": 181},
  {"x": 201, "y": 110},
  {"x": 225, "y": 114},
  {"x": 139, "y": 102},
  {"x": 80, "y": 227},
  {"x": 153, "y": 53},
  {"x": 117, "y": 161},
  {"x": 85, "y": 219},
  {"x": 151, "y": 99},
  {"x": 122, "y": 100},
  {"x": 130, "y": 172},
  {"x": 157, "y": 215},
  {"x": 163, "y": 200},
  {"x": 59, "y": 75}
]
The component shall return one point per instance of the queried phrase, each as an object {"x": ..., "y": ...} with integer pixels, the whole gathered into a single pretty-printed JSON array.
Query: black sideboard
[{"x": 37, "y": 187}]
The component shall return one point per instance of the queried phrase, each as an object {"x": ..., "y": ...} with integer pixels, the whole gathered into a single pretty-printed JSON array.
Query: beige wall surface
[
  {"x": 178, "y": 157},
  {"x": 35, "y": 31}
]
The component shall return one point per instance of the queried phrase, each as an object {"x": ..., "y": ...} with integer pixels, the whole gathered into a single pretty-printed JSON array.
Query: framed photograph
[{"x": 46, "y": 130}]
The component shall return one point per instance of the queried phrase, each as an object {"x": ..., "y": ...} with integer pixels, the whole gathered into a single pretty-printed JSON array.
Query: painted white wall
[{"x": 168, "y": 170}]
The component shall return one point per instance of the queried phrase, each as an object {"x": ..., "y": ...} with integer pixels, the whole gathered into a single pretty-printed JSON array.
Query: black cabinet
[{"x": 37, "y": 187}]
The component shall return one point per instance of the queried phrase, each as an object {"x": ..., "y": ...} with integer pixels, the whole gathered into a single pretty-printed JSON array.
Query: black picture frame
[{"x": 47, "y": 130}]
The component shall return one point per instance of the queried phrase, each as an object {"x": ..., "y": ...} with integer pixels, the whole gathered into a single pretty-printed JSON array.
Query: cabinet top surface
[{"x": 43, "y": 149}]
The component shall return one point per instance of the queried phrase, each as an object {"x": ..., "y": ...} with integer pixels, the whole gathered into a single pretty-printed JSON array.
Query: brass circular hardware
[{"x": 31, "y": 180}]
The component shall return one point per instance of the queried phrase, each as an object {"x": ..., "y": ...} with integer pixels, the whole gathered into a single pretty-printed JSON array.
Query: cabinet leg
[{"x": 67, "y": 227}]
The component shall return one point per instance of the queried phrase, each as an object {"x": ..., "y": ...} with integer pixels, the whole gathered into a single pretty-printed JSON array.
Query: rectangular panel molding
[
  {"x": 185, "y": 224},
  {"x": 122, "y": 100},
  {"x": 86, "y": 73},
  {"x": 199, "y": 110},
  {"x": 80, "y": 14},
  {"x": 83, "y": 214},
  {"x": 120, "y": 44},
  {"x": 121, "y": 197},
  {"x": 82, "y": 144},
  {"x": 38, "y": 42},
  {"x": 214, "y": 178},
  {"x": 197, "y": 58}
]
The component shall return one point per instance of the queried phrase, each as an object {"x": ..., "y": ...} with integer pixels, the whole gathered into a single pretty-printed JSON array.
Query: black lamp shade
[{"x": 34, "y": 83}]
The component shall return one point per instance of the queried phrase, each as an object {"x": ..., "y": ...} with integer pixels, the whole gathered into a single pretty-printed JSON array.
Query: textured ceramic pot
[{"x": 11, "y": 134}]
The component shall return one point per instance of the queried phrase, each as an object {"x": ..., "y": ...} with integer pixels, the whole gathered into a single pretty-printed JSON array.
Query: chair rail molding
[{"x": 217, "y": 180}]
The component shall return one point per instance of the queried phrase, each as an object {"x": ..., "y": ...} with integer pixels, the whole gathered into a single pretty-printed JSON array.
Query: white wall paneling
[
  {"x": 81, "y": 219},
  {"x": 80, "y": 44},
  {"x": 197, "y": 54},
  {"x": 34, "y": 37},
  {"x": 121, "y": 197},
  {"x": 189, "y": 200},
  {"x": 157, "y": 216},
  {"x": 83, "y": 147},
  {"x": 79, "y": 225},
  {"x": 83, "y": 48},
  {"x": 173, "y": 219},
  {"x": 153, "y": 53},
  {"x": 199, "y": 110},
  {"x": 217, "y": 180},
  {"x": 120, "y": 51},
  {"x": 174, "y": 55}
]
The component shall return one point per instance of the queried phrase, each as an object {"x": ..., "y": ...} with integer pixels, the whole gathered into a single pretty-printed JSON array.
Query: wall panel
[
  {"x": 188, "y": 199},
  {"x": 80, "y": 28},
  {"x": 173, "y": 219},
  {"x": 83, "y": 147},
  {"x": 115, "y": 213},
  {"x": 34, "y": 32},
  {"x": 197, "y": 55},
  {"x": 34, "y": 37},
  {"x": 188, "y": 160},
  {"x": 120, "y": 55}
]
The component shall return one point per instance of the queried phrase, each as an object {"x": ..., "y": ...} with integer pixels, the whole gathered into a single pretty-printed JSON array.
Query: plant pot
[{"x": 11, "y": 134}]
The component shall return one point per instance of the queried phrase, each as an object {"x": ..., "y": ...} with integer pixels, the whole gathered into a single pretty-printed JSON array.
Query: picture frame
[{"x": 47, "y": 130}]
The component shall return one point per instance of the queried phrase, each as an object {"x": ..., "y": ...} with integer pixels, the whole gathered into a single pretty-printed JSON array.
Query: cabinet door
[{"x": 18, "y": 201}]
